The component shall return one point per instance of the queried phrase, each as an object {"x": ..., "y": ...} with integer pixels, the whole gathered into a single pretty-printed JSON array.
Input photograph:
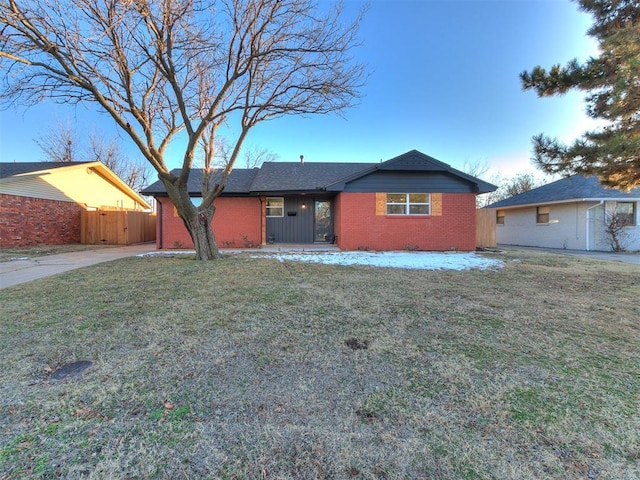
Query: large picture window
[
  {"x": 408, "y": 203},
  {"x": 626, "y": 213},
  {"x": 275, "y": 207}
]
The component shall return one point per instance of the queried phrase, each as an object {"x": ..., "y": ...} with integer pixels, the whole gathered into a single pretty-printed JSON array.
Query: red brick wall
[
  {"x": 358, "y": 226},
  {"x": 27, "y": 221},
  {"x": 236, "y": 224}
]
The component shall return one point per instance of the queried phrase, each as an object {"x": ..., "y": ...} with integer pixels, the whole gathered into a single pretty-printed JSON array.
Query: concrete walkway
[{"x": 25, "y": 270}]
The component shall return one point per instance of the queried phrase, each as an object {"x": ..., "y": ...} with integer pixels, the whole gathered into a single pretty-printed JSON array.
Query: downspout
[
  {"x": 587, "y": 224},
  {"x": 159, "y": 230},
  {"x": 263, "y": 223}
]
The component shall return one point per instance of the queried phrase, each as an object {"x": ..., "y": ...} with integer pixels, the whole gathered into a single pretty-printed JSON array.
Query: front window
[
  {"x": 542, "y": 215},
  {"x": 626, "y": 213},
  {"x": 275, "y": 207},
  {"x": 500, "y": 217},
  {"x": 408, "y": 203}
]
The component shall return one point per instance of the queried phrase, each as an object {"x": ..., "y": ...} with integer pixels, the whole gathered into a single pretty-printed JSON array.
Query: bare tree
[
  {"x": 136, "y": 174},
  {"x": 252, "y": 156},
  {"x": 60, "y": 144},
  {"x": 191, "y": 66},
  {"x": 614, "y": 230},
  {"x": 508, "y": 187},
  {"x": 255, "y": 156},
  {"x": 479, "y": 169},
  {"x": 65, "y": 144},
  {"x": 519, "y": 184}
]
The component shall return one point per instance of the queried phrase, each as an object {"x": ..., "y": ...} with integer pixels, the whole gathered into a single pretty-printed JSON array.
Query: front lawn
[{"x": 251, "y": 368}]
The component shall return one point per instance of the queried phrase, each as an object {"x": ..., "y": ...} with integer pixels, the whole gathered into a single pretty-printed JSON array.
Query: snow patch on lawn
[{"x": 410, "y": 260}]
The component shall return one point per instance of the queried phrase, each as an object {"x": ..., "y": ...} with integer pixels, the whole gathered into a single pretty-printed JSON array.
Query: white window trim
[
  {"x": 267, "y": 207},
  {"x": 407, "y": 205},
  {"x": 634, "y": 213}
]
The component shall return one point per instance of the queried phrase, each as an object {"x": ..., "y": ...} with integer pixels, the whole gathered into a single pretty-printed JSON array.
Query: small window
[
  {"x": 542, "y": 215},
  {"x": 408, "y": 203},
  {"x": 275, "y": 207},
  {"x": 500, "y": 217},
  {"x": 626, "y": 213}
]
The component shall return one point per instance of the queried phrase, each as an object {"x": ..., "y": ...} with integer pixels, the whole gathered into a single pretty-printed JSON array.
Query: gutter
[
  {"x": 159, "y": 230},
  {"x": 569, "y": 200},
  {"x": 586, "y": 224}
]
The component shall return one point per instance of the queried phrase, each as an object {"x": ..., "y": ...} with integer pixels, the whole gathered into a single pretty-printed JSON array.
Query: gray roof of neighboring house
[
  {"x": 576, "y": 188},
  {"x": 298, "y": 177},
  {"x": 9, "y": 169}
]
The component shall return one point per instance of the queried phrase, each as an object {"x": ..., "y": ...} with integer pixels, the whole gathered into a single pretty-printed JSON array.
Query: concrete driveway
[{"x": 20, "y": 271}]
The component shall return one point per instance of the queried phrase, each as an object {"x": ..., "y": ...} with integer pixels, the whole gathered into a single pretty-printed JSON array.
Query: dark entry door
[{"x": 323, "y": 223}]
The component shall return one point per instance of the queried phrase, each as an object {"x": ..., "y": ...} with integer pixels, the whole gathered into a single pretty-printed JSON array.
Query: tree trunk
[
  {"x": 204, "y": 241},
  {"x": 196, "y": 220}
]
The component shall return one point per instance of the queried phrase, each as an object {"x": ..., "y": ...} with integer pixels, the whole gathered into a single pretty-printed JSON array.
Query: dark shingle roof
[
  {"x": 238, "y": 182},
  {"x": 9, "y": 169},
  {"x": 575, "y": 187},
  {"x": 299, "y": 177}
]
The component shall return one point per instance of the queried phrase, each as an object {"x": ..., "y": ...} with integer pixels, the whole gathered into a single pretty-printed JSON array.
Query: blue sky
[{"x": 443, "y": 80}]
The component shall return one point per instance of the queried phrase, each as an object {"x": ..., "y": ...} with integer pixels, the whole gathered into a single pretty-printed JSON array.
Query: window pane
[
  {"x": 542, "y": 215},
  {"x": 396, "y": 209},
  {"x": 275, "y": 202},
  {"x": 419, "y": 209},
  {"x": 275, "y": 206},
  {"x": 625, "y": 212},
  {"x": 396, "y": 198},
  {"x": 419, "y": 198},
  {"x": 624, "y": 208}
]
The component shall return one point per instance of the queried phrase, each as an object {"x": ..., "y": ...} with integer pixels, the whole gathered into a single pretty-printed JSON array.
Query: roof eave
[{"x": 569, "y": 200}]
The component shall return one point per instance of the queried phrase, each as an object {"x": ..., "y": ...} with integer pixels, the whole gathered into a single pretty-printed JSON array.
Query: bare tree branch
[{"x": 160, "y": 69}]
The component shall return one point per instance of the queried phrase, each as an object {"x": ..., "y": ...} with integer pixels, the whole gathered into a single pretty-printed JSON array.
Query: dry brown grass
[{"x": 252, "y": 368}]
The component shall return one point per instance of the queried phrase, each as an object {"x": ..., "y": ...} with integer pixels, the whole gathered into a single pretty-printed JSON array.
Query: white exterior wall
[
  {"x": 567, "y": 227},
  {"x": 80, "y": 185},
  {"x": 630, "y": 236}
]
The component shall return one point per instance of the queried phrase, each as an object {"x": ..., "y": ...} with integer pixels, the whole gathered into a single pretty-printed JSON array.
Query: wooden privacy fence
[
  {"x": 486, "y": 227},
  {"x": 117, "y": 227}
]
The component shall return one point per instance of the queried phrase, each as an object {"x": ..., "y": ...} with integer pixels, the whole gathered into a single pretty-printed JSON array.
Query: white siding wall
[
  {"x": 80, "y": 185},
  {"x": 566, "y": 228},
  {"x": 630, "y": 237}
]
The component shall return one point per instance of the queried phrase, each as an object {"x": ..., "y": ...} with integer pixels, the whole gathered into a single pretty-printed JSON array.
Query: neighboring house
[
  {"x": 409, "y": 202},
  {"x": 569, "y": 213},
  {"x": 42, "y": 202}
]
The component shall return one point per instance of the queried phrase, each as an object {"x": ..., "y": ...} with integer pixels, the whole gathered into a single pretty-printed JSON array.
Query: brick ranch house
[
  {"x": 412, "y": 201},
  {"x": 41, "y": 203}
]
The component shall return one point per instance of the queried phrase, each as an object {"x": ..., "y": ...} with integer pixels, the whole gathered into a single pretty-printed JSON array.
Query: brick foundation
[{"x": 27, "y": 221}]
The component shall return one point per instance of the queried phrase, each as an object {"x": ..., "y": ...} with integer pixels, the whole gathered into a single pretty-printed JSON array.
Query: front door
[{"x": 323, "y": 224}]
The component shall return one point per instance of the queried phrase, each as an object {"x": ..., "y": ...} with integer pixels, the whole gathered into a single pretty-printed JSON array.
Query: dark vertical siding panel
[
  {"x": 406, "y": 182},
  {"x": 293, "y": 229}
]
